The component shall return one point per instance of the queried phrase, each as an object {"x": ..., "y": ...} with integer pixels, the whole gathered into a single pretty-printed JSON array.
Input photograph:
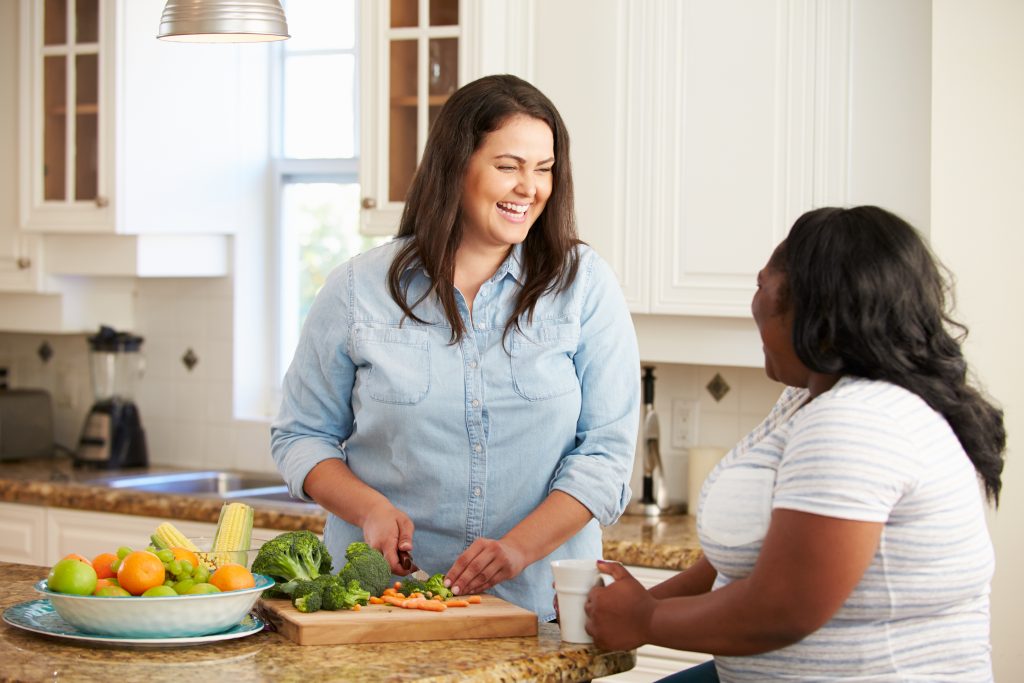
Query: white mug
[{"x": 573, "y": 581}]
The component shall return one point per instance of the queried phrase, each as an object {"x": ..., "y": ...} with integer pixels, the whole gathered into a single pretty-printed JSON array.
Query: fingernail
[
  {"x": 447, "y": 583},
  {"x": 455, "y": 590}
]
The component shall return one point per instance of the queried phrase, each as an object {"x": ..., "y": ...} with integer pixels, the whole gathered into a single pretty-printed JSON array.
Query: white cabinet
[
  {"x": 32, "y": 534},
  {"x": 137, "y": 157},
  {"x": 702, "y": 128},
  {"x": 414, "y": 54},
  {"x": 22, "y": 533},
  {"x": 652, "y": 662}
]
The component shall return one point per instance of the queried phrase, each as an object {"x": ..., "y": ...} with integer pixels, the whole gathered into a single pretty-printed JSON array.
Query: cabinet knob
[
  {"x": 24, "y": 263},
  {"x": 102, "y": 202},
  {"x": 369, "y": 203}
]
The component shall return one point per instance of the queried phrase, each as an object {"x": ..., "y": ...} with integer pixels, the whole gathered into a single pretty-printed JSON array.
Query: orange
[
  {"x": 103, "y": 583},
  {"x": 101, "y": 563},
  {"x": 76, "y": 556},
  {"x": 185, "y": 554},
  {"x": 232, "y": 577},
  {"x": 140, "y": 570}
]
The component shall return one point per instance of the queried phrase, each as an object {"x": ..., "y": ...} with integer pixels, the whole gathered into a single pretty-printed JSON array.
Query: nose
[{"x": 527, "y": 185}]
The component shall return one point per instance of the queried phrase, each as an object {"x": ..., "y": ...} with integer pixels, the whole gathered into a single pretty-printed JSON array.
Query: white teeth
[{"x": 513, "y": 208}]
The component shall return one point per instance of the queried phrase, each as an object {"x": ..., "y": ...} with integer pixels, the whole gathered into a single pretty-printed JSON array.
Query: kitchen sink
[{"x": 212, "y": 483}]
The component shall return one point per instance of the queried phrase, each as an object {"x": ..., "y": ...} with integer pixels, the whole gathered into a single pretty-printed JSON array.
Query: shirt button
[
  {"x": 475, "y": 403},
  {"x": 472, "y": 363},
  {"x": 477, "y": 492},
  {"x": 478, "y": 448},
  {"x": 481, "y": 325}
]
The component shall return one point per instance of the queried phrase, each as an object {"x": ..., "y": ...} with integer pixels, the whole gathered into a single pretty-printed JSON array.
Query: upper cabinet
[
  {"x": 701, "y": 129},
  {"x": 415, "y": 54},
  {"x": 124, "y": 134},
  {"x": 411, "y": 61}
]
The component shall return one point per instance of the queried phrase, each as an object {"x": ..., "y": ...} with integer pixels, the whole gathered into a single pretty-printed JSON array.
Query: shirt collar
[{"x": 511, "y": 266}]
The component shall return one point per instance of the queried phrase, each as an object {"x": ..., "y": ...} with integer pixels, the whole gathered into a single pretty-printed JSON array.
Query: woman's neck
[{"x": 474, "y": 266}]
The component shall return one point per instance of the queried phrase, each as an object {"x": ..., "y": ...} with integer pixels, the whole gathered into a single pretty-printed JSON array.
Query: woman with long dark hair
[
  {"x": 844, "y": 538},
  {"x": 475, "y": 381}
]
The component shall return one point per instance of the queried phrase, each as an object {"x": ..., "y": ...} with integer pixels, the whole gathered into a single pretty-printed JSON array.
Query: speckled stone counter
[
  {"x": 266, "y": 656},
  {"x": 666, "y": 543}
]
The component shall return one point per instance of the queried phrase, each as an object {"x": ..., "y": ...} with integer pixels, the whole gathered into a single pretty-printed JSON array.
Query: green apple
[{"x": 72, "y": 576}]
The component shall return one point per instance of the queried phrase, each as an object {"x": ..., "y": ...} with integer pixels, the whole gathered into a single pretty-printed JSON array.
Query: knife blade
[{"x": 405, "y": 560}]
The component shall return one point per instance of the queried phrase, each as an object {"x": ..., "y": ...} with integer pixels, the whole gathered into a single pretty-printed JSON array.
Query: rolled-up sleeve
[
  {"x": 597, "y": 471},
  {"x": 316, "y": 405}
]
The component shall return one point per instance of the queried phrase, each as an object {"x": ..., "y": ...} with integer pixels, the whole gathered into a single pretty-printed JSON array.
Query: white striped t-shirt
[{"x": 868, "y": 451}]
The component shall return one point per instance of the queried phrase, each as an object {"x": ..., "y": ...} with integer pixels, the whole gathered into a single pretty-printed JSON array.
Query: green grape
[
  {"x": 151, "y": 548},
  {"x": 182, "y": 586},
  {"x": 116, "y": 564},
  {"x": 174, "y": 566},
  {"x": 165, "y": 555},
  {"x": 186, "y": 569},
  {"x": 123, "y": 551},
  {"x": 169, "y": 582},
  {"x": 201, "y": 574}
]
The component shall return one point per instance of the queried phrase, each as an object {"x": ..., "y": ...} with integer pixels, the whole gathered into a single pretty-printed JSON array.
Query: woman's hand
[
  {"x": 389, "y": 530},
  {"x": 484, "y": 564},
  {"x": 619, "y": 614}
]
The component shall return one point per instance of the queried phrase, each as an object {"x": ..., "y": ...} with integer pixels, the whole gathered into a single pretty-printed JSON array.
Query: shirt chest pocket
[
  {"x": 394, "y": 363},
  {"x": 542, "y": 361}
]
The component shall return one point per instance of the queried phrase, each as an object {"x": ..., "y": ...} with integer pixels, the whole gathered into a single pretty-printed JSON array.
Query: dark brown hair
[
  {"x": 869, "y": 299},
  {"x": 432, "y": 217}
]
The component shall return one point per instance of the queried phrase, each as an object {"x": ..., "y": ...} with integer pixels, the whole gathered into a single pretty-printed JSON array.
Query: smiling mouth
[{"x": 515, "y": 212}]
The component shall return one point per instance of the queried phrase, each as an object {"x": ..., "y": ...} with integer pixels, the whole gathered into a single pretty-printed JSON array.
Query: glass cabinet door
[
  {"x": 420, "y": 52},
  {"x": 69, "y": 168}
]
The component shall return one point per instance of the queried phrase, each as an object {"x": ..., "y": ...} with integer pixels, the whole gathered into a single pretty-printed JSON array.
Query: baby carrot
[
  {"x": 392, "y": 600},
  {"x": 457, "y": 603},
  {"x": 473, "y": 599},
  {"x": 374, "y": 600},
  {"x": 432, "y": 606}
]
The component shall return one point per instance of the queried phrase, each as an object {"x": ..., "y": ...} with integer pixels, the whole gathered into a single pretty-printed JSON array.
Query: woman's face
[
  {"x": 507, "y": 183},
  {"x": 775, "y": 323}
]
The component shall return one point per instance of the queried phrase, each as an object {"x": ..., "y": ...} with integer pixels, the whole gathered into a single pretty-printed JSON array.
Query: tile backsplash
[{"x": 189, "y": 415}]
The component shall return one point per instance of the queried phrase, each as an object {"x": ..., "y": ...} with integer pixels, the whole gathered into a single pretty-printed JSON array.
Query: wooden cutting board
[{"x": 492, "y": 618}]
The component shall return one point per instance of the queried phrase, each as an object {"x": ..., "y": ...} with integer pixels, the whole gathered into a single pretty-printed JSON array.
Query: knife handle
[{"x": 405, "y": 559}]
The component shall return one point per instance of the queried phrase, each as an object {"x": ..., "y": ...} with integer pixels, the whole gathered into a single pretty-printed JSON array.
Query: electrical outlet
[{"x": 684, "y": 422}]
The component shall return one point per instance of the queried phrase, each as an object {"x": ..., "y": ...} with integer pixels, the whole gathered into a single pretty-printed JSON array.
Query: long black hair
[
  {"x": 433, "y": 218},
  {"x": 869, "y": 299}
]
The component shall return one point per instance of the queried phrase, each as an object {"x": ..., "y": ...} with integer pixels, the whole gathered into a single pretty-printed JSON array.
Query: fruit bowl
[{"x": 179, "y": 616}]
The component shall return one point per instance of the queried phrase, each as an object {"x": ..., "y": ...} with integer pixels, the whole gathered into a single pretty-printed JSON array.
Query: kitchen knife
[{"x": 405, "y": 559}]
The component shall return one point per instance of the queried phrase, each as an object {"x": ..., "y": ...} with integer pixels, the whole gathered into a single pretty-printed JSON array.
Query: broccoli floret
[
  {"x": 431, "y": 587},
  {"x": 300, "y": 587},
  {"x": 292, "y": 555},
  {"x": 310, "y": 602},
  {"x": 367, "y": 566},
  {"x": 344, "y": 596}
]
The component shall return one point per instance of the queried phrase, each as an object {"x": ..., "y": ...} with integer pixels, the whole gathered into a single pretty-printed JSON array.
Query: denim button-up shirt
[{"x": 469, "y": 438}]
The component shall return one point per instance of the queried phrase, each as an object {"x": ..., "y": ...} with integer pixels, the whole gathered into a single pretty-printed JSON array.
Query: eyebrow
[{"x": 522, "y": 160}]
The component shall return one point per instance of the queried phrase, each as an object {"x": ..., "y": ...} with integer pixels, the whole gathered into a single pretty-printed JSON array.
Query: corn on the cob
[
  {"x": 234, "y": 533},
  {"x": 168, "y": 536}
]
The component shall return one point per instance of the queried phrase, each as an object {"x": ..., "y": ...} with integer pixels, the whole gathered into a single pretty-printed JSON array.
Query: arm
[
  {"x": 696, "y": 580},
  {"x": 316, "y": 416},
  {"x": 808, "y": 566}
]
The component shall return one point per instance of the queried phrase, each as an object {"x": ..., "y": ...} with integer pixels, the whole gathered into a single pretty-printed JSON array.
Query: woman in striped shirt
[{"x": 844, "y": 538}]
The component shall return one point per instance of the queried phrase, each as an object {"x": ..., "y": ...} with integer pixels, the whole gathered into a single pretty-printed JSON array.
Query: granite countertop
[
  {"x": 664, "y": 543},
  {"x": 265, "y": 656}
]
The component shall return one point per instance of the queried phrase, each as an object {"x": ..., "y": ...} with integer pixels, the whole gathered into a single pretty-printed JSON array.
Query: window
[{"x": 317, "y": 157}]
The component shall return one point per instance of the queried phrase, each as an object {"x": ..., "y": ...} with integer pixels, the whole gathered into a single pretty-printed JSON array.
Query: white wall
[{"x": 977, "y": 182}]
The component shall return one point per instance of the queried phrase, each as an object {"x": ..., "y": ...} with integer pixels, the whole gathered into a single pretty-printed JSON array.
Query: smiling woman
[{"x": 411, "y": 408}]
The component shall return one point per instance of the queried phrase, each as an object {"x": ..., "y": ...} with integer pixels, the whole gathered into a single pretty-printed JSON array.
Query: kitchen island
[{"x": 268, "y": 656}]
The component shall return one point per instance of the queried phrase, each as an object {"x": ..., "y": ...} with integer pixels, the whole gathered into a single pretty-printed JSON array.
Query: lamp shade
[{"x": 223, "y": 21}]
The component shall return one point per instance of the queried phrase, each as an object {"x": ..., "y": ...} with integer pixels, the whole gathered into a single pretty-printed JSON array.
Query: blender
[{"x": 113, "y": 435}]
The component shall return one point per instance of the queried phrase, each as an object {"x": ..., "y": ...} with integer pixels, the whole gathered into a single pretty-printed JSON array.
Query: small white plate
[{"x": 39, "y": 616}]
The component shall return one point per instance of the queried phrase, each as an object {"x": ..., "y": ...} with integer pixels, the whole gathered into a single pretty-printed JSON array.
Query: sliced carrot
[
  {"x": 398, "y": 585},
  {"x": 457, "y": 603},
  {"x": 356, "y": 607},
  {"x": 416, "y": 594},
  {"x": 374, "y": 600},
  {"x": 473, "y": 599},
  {"x": 389, "y": 591},
  {"x": 432, "y": 606},
  {"x": 413, "y": 603},
  {"x": 392, "y": 600},
  {"x": 437, "y": 597}
]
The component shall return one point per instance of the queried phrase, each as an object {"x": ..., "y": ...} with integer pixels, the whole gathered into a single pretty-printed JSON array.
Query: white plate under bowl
[
  {"x": 177, "y": 616},
  {"x": 38, "y": 616}
]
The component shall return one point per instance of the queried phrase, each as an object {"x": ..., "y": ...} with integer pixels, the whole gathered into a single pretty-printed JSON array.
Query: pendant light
[{"x": 223, "y": 21}]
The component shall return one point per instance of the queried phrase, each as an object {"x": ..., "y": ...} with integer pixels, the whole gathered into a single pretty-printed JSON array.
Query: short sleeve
[{"x": 847, "y": 460}]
